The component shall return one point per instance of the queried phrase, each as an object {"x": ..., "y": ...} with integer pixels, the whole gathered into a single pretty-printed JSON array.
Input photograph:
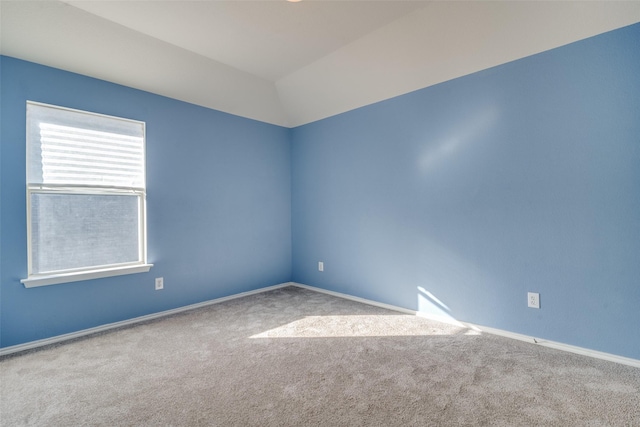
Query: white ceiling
[
  {"x": 292, "y": 63},
  {"x": 270, "y": 39}
]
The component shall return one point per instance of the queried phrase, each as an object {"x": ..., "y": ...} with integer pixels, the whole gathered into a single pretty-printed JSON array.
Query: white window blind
[
  {"x": 71, "y": 155},
  {"x": 71, "y": 147},
  {"x": 85, "y": 195}
]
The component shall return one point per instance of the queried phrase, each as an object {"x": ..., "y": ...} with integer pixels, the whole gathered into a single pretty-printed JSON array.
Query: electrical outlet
[
  {"x": 533, "y": 299},
  {"x": 320, "y": 266},
  {"x": 159, "y": 283}
]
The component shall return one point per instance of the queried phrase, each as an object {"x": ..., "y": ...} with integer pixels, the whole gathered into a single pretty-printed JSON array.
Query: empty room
[{"x": 331, "y": 213}]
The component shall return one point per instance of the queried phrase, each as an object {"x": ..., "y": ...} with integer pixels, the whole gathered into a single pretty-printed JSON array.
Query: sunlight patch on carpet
[{"x": 362, "y": 326}]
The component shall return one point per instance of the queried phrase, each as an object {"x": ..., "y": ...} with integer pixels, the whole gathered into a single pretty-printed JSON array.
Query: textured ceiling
[{"x": 292, "y": 63}]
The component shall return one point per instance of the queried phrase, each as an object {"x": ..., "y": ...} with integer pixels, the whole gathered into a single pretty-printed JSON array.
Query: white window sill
[{"x": 54, "y": 279}]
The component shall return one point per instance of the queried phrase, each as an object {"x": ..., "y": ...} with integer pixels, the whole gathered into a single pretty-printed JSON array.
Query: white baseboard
[
  {"x": 546, "y": 343},
  {"x": 60, "y": 338},
  {"x": 494, "y": 331}
]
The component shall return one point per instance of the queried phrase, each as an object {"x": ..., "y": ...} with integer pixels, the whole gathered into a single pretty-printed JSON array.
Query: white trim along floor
[{"x": 546, "y": 343}]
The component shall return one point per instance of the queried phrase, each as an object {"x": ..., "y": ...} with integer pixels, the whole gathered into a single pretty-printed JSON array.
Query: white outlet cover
[
  {"x": 533, "y": 299},
  {"x": 320, "y": 266},
  {"x": 159, "y": 283}
]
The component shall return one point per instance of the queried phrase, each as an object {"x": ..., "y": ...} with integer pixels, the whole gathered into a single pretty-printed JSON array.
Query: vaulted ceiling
[{"x": 293, "y": 63}]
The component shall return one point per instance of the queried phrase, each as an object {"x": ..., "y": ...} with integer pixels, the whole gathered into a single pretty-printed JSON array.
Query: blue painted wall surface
[
  {"x": 460, "y": 198},
  {"x": 218, "y": 202},
  {"x": 454, "y": 200}
]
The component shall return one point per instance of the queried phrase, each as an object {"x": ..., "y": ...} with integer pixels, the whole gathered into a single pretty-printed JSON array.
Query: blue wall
[
  {"x": 454, "y": 200},
  {"x": 460, "y": 198},
  {"x": 218, "y": 202}
]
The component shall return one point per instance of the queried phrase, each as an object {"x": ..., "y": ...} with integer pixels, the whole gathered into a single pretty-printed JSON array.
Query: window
[{"x": 85, "y": 195}]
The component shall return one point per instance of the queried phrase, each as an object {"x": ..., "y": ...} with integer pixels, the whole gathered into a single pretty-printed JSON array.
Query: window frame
[{"x": 91, "y": 272}]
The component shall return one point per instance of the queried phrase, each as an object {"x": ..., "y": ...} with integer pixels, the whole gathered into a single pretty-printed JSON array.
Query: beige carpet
[{"x": 293, "y": 357}]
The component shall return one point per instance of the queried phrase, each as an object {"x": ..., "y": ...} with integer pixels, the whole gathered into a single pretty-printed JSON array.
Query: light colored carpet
[{"x": 293, "y": 357}]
